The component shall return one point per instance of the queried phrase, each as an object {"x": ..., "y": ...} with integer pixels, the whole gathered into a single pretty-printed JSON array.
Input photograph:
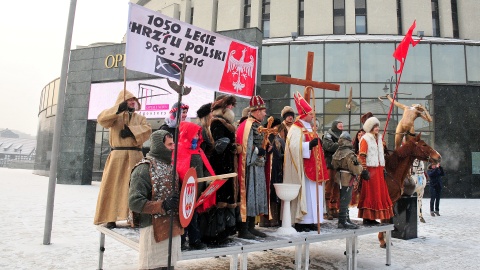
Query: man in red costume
[
  {"x": 251, "y": 170},
  {"x": 305, "y": 165}
]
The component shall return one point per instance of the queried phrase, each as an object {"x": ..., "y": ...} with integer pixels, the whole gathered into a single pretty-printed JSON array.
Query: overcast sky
[{"x": 31, "y": 49}]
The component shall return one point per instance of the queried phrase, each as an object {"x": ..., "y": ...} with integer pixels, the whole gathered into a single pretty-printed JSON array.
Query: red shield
[{"x": 188, "y": 197}]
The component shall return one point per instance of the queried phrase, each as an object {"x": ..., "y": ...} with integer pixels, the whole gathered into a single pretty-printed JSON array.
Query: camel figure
[{"x": 406, "y": 124}]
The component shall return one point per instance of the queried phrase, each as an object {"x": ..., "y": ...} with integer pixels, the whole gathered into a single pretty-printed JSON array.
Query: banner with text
[
  {"x": 157, "y": 45},
  {"x": 155, "y": 96}
]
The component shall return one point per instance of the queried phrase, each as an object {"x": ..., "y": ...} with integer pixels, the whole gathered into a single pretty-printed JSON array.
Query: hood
[
  {"x": 158, "y": 149},
  {"x": 125, "y": 95},
  {"x": 187, "y": 132}
]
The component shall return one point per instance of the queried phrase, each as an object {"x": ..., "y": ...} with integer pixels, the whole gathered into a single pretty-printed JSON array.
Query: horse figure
[{"x": 397, "y": 166}]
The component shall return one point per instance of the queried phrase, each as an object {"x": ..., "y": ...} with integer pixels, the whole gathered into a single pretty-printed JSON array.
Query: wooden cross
[
  {"x": 308, "y": 82},
  {"x": 267, "y": 131}
]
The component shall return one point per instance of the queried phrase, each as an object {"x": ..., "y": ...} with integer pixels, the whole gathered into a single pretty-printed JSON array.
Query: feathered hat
[{"x": 302, "y": 105}]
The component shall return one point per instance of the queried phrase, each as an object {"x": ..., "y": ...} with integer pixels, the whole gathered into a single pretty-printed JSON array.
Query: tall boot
[
  {"x": 251, "y": 227},
  {"x": 345, "y": 196},
  {"x": 243, "y": 231}
]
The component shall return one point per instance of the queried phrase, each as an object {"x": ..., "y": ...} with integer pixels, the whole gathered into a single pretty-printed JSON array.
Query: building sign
[
  {"x": 158, "y": 44},
  {"x": 155, "y": 96},
  {"x": 475, "y": 162}
]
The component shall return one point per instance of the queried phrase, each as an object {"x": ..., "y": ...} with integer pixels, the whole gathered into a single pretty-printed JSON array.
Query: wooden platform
[{"x": 238, "y": 248}]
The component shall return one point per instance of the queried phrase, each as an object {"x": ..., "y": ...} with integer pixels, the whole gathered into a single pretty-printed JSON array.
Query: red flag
[{"x": 402, "y": 50}]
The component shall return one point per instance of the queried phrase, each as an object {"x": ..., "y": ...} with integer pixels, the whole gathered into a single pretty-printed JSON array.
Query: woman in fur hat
[
  {"x": 219, "y": 222},
  {"x": 204, "y": 114},
  {"x": 374, "y": 202}
]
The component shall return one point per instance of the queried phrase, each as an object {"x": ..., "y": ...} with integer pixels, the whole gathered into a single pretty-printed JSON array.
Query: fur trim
[
  {"x": 224, "y": 102},
  {"x": 375, "y": 155},
  {"x": 287, "y": 109},
  {"x": 368, "y": 125},
  {"x": 224, "y": 122},
  {"x": 226, "y": 114}
]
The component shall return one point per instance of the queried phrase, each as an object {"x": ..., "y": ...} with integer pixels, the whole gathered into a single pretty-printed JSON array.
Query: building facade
[{"x": 353, "y": 42}]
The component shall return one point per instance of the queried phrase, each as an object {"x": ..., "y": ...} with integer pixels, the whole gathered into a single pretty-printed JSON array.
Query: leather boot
[
  {"x": 243, "y": 232},
  {"x": 251, "y": 227},
  {"x": 343, "y": 224},
  {"x": 345, "y": 195}
]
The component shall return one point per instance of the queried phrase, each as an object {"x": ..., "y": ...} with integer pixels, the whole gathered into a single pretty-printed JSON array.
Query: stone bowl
[{"x": 287, "y": 192}]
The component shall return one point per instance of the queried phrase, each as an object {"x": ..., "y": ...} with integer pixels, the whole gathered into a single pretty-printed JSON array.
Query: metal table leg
[
  {"x": 234, "y": 262},
  {"x": 101, "y": 251},
  {"x": 388, "y": 236},
  {"x": 243, "y": 261},
  {"x": 348, "y": 252},
  {"x": 354, "y": 252}
]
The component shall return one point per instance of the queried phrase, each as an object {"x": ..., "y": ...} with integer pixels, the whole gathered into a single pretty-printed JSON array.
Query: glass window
[
  {"x": 435, "y": 18},
  {"x": 318, "y": 97},
  {"x": 298, "y": 61},
  {"x": 266, "y": 18},
  {"x": 473, "y": 64},
  {"x": 448, "y": 63},
  {"x": 266, "y": 29},
  {"x": 339, "y": 17},
  {"x": 338, "y": 4},
  {"x": 376, "y": 61},
  {"x": 339, "y": 25},
  {"x": 361, "y": 24},
  {"x": 275, "y": 59},
  {"x": 344, "y": 91},
  {"x": 246, "y": 13},
  {"x": 342, "y": 62},
  {"x": 360, "y": 17},
  {"x": 417, "y": 66},
  {"x": 51, "y": 88}
]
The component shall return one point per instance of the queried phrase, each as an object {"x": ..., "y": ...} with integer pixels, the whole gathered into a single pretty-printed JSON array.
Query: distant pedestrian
[{"x": 435, "y": 172}]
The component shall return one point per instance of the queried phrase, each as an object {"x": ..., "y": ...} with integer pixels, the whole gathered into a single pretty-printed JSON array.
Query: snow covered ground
[{"x": 448, "y": 241}]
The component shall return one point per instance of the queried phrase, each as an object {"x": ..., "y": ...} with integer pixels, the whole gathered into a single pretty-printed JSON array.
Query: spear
[
  {"x": 180, "y": 89},
  {"x": 349, "y": 108}
]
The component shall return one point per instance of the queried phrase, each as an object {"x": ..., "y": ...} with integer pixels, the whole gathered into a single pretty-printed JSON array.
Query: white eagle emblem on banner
[{"x": 240, "y": 68}]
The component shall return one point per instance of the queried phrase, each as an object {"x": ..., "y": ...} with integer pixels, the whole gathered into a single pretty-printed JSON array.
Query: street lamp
[{"x": 390, "y": 81}]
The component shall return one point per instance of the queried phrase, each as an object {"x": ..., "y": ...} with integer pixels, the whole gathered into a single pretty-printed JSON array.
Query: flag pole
[
  {"x": 175, "y": 151},
  {"x": 52, "y": 181},
  {"x": 309, "y": 89}
]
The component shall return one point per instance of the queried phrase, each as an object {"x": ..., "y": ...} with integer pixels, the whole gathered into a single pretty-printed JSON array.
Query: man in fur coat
[
  {"x": 153, "y": 196},
  {"x": 219, "y": 222},
  {"x": 288, "y": 116},
  {"x": 251, "y": 170},
  {"x": 305, "y": 165},
  {"x": 128, "y": 131}
]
